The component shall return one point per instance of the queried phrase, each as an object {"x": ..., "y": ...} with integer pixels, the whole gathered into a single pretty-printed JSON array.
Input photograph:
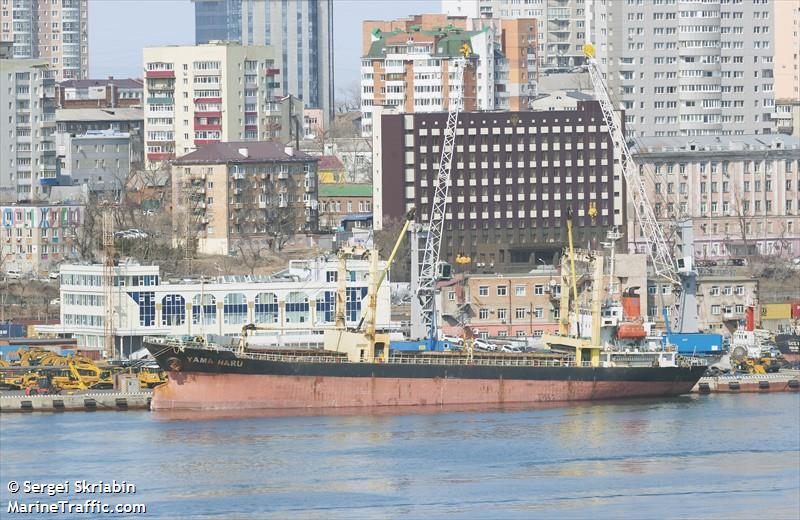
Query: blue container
[
  {"x": 423, "y": 345},
  {"x": 696, "y": 344},
  {"x": 12, "y": 330}
]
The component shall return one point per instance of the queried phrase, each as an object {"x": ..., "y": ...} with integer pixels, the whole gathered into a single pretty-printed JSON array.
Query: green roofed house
[
  {"x": 406, "y": 64},
  {"x": 339, "y": 200}
]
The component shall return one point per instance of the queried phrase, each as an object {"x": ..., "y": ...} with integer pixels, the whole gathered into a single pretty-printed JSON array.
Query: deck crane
[
  {"x": 680, "y": 274},
  {"x": 431, "y": 269}
]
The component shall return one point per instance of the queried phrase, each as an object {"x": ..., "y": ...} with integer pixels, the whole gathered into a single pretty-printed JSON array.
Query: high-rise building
[
  {"x": 740, "y": 192},
  {"x": 56, "y": 31},
  {"x": 515, "y": 176},
  {"x": 689, "y": 68},
  {"x": 27, "y": 146},
  {"x": 194, "y": 95},
  {"x": 787, "y": 68},
  {"x": 406, "y": 64},
  {"x": 299, "y": 31},
  {"x": 560, "y": 23}
]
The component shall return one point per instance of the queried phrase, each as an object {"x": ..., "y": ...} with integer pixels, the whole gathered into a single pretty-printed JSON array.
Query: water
[{"x": 714, "y": 456}]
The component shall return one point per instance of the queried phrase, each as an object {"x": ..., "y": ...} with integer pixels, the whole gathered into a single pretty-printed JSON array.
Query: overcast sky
[{"x": 119, "y": 29}]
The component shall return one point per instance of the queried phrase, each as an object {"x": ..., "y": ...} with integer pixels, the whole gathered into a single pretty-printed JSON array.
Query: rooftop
[
  {"x": 118, "y": 82},
  {"x": 330, "y": 162},
  {"x": 345, "y": 190},
  {"x": 244, "y": 152},
  {"x": 716, "y": 143},
  {"x": 99, "y": 114}
]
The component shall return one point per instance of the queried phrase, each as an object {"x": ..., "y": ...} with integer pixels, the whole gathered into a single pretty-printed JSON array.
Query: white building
[
  {"x": 295, "y": 301},
  {"x": 27, "y": 112}
]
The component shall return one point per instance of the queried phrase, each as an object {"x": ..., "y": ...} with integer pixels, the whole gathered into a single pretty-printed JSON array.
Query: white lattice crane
[
  {"x": 430, "y": 270},
  {"x": 680, "y": 275}
]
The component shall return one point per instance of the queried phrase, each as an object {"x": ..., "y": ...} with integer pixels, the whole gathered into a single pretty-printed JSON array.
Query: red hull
[{"x": 206, "y": 391}]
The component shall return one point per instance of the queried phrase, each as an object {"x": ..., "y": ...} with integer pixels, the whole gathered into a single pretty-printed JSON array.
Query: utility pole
[{"x": 108, "y": 280}]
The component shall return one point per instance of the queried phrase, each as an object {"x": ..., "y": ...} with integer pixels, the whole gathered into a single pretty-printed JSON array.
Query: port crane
[
  {"x": 680, "y": 273},
  {"x": 431, "y": 269}
]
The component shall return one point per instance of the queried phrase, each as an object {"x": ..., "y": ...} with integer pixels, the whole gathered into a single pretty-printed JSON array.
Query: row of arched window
[{"x": 266, "y": 310}]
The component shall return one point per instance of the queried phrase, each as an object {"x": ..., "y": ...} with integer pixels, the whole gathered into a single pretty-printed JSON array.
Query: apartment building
[
  {"x": 57, "y": 31},
  {"x": 100, "y": 93},
  {"x": 740, "y": 191},
  {"x": 560, "y": 24},
  {"x": 98, "y": 159},
  {"x": 38, "y": 236},
  {"x": 337, "y": 201},
  {"x": 299, "y": 31},
  {"x": 146, "y": 303},
  {"x": 787, "y": 68},
  {"x": 515, "y": 176},
  {"x": 27, "y": 147},
  {"x": 406, "y": 64},
  {"x": 689, "y": 68},
  {"x": 201, "y": 94},
  {"x": 722, "y": 298},
  {"x": 224, "y": 193}
]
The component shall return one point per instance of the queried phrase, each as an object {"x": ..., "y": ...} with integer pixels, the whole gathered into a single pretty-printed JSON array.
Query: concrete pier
[
  {"x": 784, "y": 381},
  {"x": 77, "y": 401}
]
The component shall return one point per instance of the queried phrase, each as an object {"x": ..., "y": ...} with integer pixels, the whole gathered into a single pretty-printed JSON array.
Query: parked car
[
  {"x": 483, "y": 345},
  {"x": 53, "y": 275},
  {"x": 453, "y": 339},
  {"x": 13, "y": 274}
]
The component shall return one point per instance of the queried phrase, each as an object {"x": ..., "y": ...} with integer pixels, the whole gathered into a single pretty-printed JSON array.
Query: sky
[{"x": 119, "y": 29}]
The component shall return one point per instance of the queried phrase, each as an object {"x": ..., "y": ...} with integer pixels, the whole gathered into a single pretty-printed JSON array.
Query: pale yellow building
[{"x": 201, "y": 94}]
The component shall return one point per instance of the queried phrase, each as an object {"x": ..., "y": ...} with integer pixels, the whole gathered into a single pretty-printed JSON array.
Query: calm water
[{"x": 696, "y": 457}]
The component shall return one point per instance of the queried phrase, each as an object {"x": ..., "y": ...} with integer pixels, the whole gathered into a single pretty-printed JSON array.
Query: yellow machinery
[{"x": 151, "y": 376}]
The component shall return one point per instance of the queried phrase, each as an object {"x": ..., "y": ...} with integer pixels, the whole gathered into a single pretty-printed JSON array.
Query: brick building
[
  {"x": 339, "y": 200},
  {"x": 225, "y": 192},
  {"x": 514, "y": 175}
]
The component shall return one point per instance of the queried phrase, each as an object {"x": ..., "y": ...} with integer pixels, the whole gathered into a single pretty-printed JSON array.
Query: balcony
[
  {"x": 159, "y": 74},
  {"x": 272, "y": 72},
  {"x": 162, "y": 100}
]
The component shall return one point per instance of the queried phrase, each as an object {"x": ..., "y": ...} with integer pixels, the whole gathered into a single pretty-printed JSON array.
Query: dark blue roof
[{"x": 358, "y": 217}]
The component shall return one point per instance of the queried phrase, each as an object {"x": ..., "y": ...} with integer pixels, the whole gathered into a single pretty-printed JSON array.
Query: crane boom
[
  {"x": 430, "y": 259},
  {"x": 657, "y": 248}
]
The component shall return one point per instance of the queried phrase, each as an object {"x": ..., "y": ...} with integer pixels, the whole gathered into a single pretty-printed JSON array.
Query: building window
[
  {"x": 501, "y": 314},
  {"x": 740, "y": 290},
  {"x": 519, "y": 290},
  {"x": 483, "y": 290},
  {"x": 666, "y": 289},
  {"x": 147, "y": 307},
  {"x": 353, "y": 303},
  {"x": 651, "y": 289},
  {"x": 538, "y": 312},
  {"x": 326, "y": 307},
  {"x": 266, "y": 308},
  {"x": 727, "y": 290},
  {"x": 483, "y": 314},
  {"x": 538, "y": 289},
  {"x": 519, "y": 313},
  {"x": 715, "y": 310},
  {"x": 173, "y": 310},
  {"x": 297, "y": 309},
  {"x": 205, "y": 313},
  {"x": 502, "y": 290},
  {"x": 714, "y": 290},
  {"x": 234, "y": 309},
  {"x": 451, "y": 296}
]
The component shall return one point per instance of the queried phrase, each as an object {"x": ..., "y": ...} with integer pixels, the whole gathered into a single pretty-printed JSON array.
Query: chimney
[
  {"x": 288, "y": 150},
  {"x": 244, "y": 152}
]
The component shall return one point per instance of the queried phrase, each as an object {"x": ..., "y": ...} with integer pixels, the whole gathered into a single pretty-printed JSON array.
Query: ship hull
[{"x": 217, "y": 380}]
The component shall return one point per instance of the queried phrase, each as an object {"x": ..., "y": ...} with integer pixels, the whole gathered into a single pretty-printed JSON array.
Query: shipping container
[
  {"x": 698, "y": 344},
  {"x": 776, "y": 311},
  {"x": 796, "y": 311},
  {"x": 12, "y": 330}
]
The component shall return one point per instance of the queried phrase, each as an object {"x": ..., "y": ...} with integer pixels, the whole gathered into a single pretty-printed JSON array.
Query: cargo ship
[{"x": 214, "y": 377}]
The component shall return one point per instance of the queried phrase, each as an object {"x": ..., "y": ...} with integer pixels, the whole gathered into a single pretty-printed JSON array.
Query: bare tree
[
  {"x": 250, "y": 253},
  {"x": 348, "y": 99},
  {"x": 385, "y": 239}
]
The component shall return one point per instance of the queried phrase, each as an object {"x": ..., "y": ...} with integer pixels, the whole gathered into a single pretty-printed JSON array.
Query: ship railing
[{"x": 510, "y": 361}]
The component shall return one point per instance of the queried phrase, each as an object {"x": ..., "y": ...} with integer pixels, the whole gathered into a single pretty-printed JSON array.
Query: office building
[
  {"x": 689, "y": 68},
  {"x": 57, "y": 31},
  {"x": 200, "y": 94},
  {"x": 299, "y": 31},
  {"x": 295, "y": 300},
  {"x": 27, "y": 148},
  {"x": 787, "y": 68},
  {"x": 515, "y": 176},
  {"x": 560, "y": 24},
  {"x": 98, "y": 159},
  {"x": 741, "y": 192},
  {"x": 225, "y": 193}
]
